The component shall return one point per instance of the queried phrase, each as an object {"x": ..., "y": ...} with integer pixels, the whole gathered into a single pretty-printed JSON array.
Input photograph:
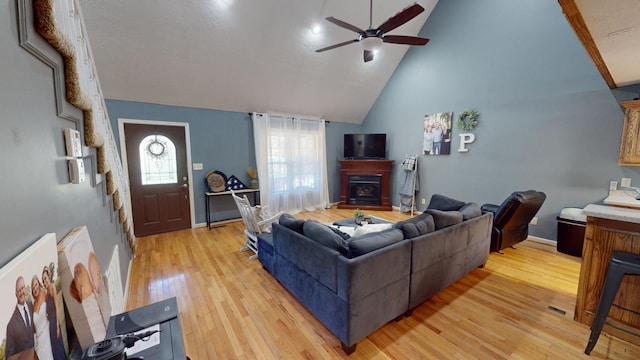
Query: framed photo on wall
[{"x": 436, "y": 132}]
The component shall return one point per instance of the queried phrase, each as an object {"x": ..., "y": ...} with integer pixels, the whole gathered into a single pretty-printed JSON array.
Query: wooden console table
[
  {"x": 209, "y": 195},
  {"x": 609, "y": 228},
  {"x": 381, "y": 168}
]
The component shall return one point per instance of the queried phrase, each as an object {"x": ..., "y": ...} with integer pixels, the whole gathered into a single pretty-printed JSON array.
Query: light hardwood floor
[{"x": 231, "y": 308}]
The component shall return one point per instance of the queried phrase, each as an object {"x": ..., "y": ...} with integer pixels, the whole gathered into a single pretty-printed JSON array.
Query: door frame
[{"x": 187, "y": 138}]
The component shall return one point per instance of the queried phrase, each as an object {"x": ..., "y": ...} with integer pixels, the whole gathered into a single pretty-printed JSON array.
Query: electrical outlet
[
  {"x": 197, "y": 166},
  {"x": 424, "y": 201},
  {"x": 534, "y": 221},
  {"x": 625, "y": 182}
]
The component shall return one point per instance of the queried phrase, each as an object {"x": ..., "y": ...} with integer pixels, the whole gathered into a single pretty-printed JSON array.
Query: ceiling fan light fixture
[{"x": 372, "y": 43}]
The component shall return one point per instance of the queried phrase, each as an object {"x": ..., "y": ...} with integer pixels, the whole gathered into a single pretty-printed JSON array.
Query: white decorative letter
[{"x": 467, "y": 138}]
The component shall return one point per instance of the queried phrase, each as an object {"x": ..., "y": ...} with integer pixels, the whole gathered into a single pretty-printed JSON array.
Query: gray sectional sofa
[{"x": 356, "y": 285}]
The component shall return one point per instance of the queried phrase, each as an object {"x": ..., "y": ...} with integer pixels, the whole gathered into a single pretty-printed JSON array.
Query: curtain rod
[{"x": 291, "y": 116}]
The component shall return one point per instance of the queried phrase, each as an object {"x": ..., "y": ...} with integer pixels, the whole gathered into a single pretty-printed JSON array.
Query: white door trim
[{"x": 187, "y": 136}]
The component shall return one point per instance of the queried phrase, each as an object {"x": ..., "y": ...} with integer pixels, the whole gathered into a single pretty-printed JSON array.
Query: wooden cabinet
[
  {"x": 602, "y": 236},
  {"x": 630, "y": 142}
]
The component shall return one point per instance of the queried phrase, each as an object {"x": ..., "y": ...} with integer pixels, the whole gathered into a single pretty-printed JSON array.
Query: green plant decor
[
  {"x": 358, "y": 215},
  {"x": 468, "y": 120}
]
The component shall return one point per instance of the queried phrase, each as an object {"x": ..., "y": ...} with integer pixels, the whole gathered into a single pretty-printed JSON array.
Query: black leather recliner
[{"x": 511, "y": 219}]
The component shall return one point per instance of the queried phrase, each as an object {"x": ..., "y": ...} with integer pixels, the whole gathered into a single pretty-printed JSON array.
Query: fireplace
[
  {"x": 364, "y": 184},
  {"x": 364, "y": 189}
]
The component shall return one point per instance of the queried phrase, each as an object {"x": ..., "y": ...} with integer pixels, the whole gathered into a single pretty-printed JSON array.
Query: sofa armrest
[
  {"x": 492, "y": 208},
  {"x": 307, "y": 255},
  {"x": 368, "y": 273}
]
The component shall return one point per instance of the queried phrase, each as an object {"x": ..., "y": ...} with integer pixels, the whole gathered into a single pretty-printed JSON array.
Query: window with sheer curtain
[{"x": 291, "y": 162}]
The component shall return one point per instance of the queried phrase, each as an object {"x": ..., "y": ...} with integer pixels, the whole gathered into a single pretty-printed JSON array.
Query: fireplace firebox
[{"x": 364, "y": 189}]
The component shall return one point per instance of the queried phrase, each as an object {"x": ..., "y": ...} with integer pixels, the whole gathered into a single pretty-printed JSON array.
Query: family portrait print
[
  {"x": 83, "y": 287},
  {"x": 437, "y": 134},
  {"x": 32, "y": 317}
]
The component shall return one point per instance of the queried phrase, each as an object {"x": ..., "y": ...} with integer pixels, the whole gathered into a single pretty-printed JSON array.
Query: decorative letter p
[{"x": 467, "y": 138}]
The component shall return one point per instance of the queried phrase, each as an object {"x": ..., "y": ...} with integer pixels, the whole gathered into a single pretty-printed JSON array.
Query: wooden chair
[{"x": 257, "y": 220}]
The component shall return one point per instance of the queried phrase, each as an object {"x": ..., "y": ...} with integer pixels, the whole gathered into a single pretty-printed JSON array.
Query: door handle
[{"x": 185, "y": 186}]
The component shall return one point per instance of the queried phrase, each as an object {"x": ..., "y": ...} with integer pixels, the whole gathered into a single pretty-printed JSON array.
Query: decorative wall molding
[
  {"x": 41, "y": 49},
  {"x": 53, "y": 31}
]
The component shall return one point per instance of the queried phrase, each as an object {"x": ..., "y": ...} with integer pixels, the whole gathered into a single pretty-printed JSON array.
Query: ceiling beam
[{"x": 575, "y": 19}]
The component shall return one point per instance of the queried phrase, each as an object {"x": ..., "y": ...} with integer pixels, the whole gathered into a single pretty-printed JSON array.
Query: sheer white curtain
[{"x": 291, "y": 161}]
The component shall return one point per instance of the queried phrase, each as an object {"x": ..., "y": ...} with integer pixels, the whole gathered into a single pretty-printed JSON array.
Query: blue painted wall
[
  {"x": 548, "y": 121},
  {"x": 37, "y": 197},
  {"x": 223, "y": 141}
]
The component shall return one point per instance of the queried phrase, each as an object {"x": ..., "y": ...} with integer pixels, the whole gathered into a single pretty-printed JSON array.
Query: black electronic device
[
  {"x": 139, "y": 319},
  {"x": 114, "y": 348},
  {"x": 108, "y": 349},
  {"x": 365, "y": 146},
  {"x": 164, "y": 313}
]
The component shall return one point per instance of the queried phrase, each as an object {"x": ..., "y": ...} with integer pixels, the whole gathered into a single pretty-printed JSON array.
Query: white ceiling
[
  {"x": 244, "y": 55},
  {"x": 258, "y": 55},
  {"x": 615, "y": 28}
]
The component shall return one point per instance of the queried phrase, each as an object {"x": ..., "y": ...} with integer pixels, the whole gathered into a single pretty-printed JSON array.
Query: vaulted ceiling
[
  {"x": 250, "y": 55},
  {"x": 256, "y": 55}
]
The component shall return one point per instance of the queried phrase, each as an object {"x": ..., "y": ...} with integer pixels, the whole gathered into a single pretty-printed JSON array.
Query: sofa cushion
[
  {"x": 292, "y": 223},
  {"x": 444, "y": 203},
  {"x": 360, "y": 245},
  {"x": 442, "y": 219},
  {"x": 416, "y": 226},
  {"x": 339, "y": 232},
  {"x": 470, "y": 210},
  {"x": 323, "y": 235}
]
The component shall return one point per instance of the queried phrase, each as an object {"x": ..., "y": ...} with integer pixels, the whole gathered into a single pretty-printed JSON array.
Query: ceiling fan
[{"x": 372, "y": 38}]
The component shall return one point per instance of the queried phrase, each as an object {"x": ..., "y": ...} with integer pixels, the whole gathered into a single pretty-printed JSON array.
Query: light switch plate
[
  {"x": 613, "y": 185},
  {"x": 625, "y": 182},
  {"x": 197, "y": 166}
]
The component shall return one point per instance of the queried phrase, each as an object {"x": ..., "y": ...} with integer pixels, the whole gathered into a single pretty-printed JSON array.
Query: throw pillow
[
  {"x": 470, "y": 210},
  {"x": 444, "y": 203},
  {"x": 365, "y": 244},
  {"x": 416, "y": 226},
  {"x": 442, "y": 219},
  {"x": 371, "y": 228},
  {"x": 322, "y": 234},
  {"x": 425, "y": 225},
  {"x": 292, "y": 223},
  {"x": 409, "y": 230}
]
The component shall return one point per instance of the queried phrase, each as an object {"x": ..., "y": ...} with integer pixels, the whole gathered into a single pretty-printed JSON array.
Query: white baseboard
[{"x": 542, "y": 240}]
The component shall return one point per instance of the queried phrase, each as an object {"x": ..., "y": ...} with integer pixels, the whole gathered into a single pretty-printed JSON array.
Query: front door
[{"x": 158, "y": 177}]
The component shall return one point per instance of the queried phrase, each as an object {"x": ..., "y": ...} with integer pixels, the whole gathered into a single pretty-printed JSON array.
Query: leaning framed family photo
[{"x": 32, "y": 320}]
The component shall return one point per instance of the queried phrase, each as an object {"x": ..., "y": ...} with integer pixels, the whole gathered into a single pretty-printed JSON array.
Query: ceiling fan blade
[
  {"x": 345, "y": 25},
  {"x": 337, "y": 45},
  {"x": 408, "y": 40},
  {"x": 400, "y": 18},
  {"x": 368, "y": 55}
]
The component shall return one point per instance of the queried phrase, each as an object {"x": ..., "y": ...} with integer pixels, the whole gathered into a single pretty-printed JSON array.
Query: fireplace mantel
[{"x": 381, "y": 168}]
